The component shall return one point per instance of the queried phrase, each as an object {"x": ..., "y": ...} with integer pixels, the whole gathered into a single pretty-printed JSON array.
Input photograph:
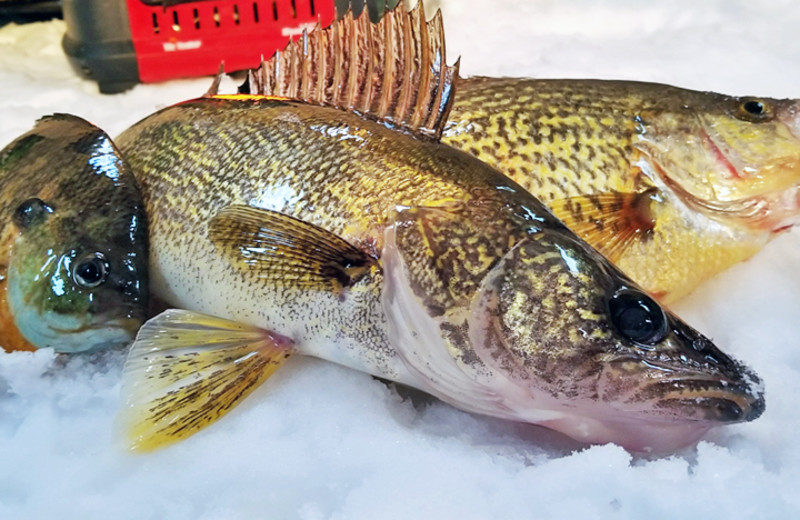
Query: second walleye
[{"x": 282, "y": 227}]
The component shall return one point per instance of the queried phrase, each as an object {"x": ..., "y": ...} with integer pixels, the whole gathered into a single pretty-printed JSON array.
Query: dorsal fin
[{"x": 394, "y": 70}]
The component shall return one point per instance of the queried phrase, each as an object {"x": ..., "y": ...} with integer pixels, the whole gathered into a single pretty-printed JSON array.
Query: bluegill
[
  {"x": 278, "y": 227},
  {"x": 672, "y": 185},
  {"x": 73, "y": 241}
]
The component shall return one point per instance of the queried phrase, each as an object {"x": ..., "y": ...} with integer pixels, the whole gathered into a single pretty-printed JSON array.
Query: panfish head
[
  {"x": 73, "y": 271},
  {"x": 735, "y": 158},
  {"x": 560, "y": 323}
]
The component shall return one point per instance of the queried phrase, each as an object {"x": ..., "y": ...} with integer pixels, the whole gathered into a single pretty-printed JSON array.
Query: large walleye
[
  {"x": 282, "y": 227},
  {"x": 672, "y": 185},
  {"x": 73, "y": 241}
]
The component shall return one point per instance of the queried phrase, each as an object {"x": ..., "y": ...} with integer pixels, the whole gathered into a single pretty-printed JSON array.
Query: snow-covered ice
[{"x": 320, "y": 441}]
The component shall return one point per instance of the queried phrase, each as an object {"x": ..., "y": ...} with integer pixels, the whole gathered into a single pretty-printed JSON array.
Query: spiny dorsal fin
[
  {"x": 213, "y": 90},
  {"x": 394, "y": 70}
]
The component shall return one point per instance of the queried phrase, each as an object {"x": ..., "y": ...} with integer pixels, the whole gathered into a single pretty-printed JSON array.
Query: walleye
[
  {"x": 281, "y": 228},
  {"x": 73, "y": 270},
  {"x": 672, "y": 185}
]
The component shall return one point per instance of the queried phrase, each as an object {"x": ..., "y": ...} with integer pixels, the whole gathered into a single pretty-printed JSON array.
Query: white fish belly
[{"x": 348, "y": 328}]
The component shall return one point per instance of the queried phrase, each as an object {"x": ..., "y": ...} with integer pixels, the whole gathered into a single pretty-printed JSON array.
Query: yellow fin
[
  {"x": 186, "y": 370},
  {"x": 608, "y": 221},
  {"x": 285, "y": 250},
  {"x": 394, "y": 70}
]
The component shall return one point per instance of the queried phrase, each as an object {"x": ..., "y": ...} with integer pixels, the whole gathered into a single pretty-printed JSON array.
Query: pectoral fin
[
  {"x": 186, "y": 370},
  {"x": 285, "y": 250},
  {"x": 609, "y": 221}
]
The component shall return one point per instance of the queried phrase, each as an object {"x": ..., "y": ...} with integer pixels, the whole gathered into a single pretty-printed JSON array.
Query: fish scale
[{"x": 564, "y": 129}]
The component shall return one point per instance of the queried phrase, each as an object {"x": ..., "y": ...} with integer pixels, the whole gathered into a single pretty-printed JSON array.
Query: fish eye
[
  {"x": 638, "y": 317},
  {"x": 754, "y": 107},
  {"x": 91, "y": 270},
  {"x": 754, "y": 110},
  {"x": 30, "y": 212}
]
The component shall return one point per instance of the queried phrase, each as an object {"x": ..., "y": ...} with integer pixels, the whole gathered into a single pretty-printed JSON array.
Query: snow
[{"x": 320, "y": 441}]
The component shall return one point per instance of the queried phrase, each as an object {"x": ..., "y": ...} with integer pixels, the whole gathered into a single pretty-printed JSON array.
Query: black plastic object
[
  {"x": 98, "y": 43},
  {"x": 22, "y": 11},
  {"x": 375, "y": 8}
]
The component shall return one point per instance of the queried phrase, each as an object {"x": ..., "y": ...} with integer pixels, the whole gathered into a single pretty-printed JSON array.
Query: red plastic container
[
  {"x": 193, "y": 38},
  {"x": 121, "y": 42}
]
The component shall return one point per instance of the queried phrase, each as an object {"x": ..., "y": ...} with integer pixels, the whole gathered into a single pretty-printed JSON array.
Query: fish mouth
[
  {"x": 670, "y": 393},
  {"x": 129, "y": 324},
  {"x": 710, "y": 400},
  {"x": 96, "y": 335}
]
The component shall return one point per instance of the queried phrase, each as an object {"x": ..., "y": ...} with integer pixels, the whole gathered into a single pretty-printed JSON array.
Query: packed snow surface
[{"x": 320, "y": 441}]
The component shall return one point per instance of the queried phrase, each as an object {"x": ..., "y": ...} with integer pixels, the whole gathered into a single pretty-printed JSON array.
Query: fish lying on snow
[
  {"x": 698, "y": 180},
  {"x": 73, "y": 241},
  {"x": 282, "y": 227},
  {"x": 672, "y": 185}
]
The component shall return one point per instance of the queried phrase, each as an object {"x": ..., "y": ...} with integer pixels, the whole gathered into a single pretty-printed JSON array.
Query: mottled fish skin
[
  {"x": 705, "y": 179},
  {"x": 73, "y": 249},
  {"x": 471, "y": 290},
  {"x": 199, "y": 157}
]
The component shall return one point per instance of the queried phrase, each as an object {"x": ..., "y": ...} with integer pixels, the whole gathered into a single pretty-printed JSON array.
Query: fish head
[
  {"x": 73, "y": 241},
  {"x": 736, "y": 159},
  {"x": 579, "y": 338}
]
